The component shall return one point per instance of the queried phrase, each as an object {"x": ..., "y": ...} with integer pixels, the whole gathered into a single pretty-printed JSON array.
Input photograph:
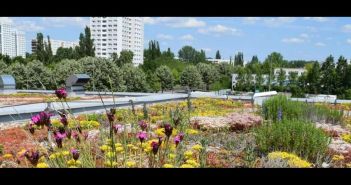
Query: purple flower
[
  {"x": 31, "y": 128},
  {"x": 61, "y": 93},
  {"x": 168, "y": 130},
  {"x": 33, "y": 158},
  {"x": 155, "y": 147},
  {"x": 181, "y": 136},
  {"x": 159, "y": 141},
  {"x": 64, "y": 119},
  {"x": 41, "y": 119},
  {"x": 76, "y": 137},
  {"x": 177, "y": 140},
  {"x": 110, "y": 116},
  {"x": 143, "y": 125},
  {"x": 116, "y": 128},
  {"x": 36, "y": 119},
  {"x": 142, "y": 136},
  {"x": 75, "y": 154},
  {"x": 59, "y": 138}
]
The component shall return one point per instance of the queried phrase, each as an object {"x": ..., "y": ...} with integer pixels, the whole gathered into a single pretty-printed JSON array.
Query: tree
[
  {"x": 40, "y": 49},
  {"x": 341, "y": 83},
  {"x": 154, "y": 82},
  {"x": 126, "y": 57},
  {"x": 187, "y": 53},
  {"x": 3, "y": 67},
  {"x": 64, "y": 69},
  {"x": 281, "y": 79},
  {"x": 168, "y": 53},
  {"x": 153, "y": 51},
  {"x": 190, "y": 77},
  {"x": 239, "y": 59},
  {"x": 135, "y": 78},
  {"x": 5, "y": 58},
  {"x": 313, "y": 78},
  {"x": 165, "y": 77},
  {"x": 209, "y": 74},
  {"x": 218, "y": 55},
  {"x": 328, "y": 76},
  {"x": 254, "y": 65},
  {"x": 48, "y": 49},
  {"x": 103, "y": 73},
  {"x": 64, "y": 53},
  {"x": 240, "y": 79},
  {"x": 19, "y": 72},
  {"x": 39, "y": 76},
  {"x": 89, "y": 43}
]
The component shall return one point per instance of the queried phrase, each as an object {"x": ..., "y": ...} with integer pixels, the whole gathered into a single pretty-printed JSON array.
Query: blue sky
[{"x": 309, "y": 38}]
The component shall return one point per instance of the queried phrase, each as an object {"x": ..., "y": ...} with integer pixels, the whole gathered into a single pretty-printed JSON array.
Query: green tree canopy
[{"x": 190, "y": 77}]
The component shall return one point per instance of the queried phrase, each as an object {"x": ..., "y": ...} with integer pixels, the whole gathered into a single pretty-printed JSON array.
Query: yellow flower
[
  {"x": 187, "y": 166},
  {"x": 72, "y": 162},
  {"x": 348, "y": 165},
  {"x": 105, "y": 148},
  {"x": 42, "y": 165},
  {"x": 292, "y": 159},
  {"x": 172, "y": 147},
  {"x": 148, "y": 149},
  {"x": 197, "y": 147},
  {"x": 188, "y": 154},
  {"x": 130, "y": 145},
  {"x": 20, "y": 153},
  {"x": 299, "y": 163},
  {"x": 131, "y": 164},
  {"x": 192, "y": 162},
  {"x": 109, "y": 164},
  {"x": 7, "y": 156},
  {"x": 109, "y": 154},
  {"x": 160, "y": 132},
  {"x": 108, "y": 142},
  {"x": 118, "y": 145},
  {"x": 191, "y": 131},
  {"x": 338, "y": 158},
  {"x": 172, "y": 156},
  {"x": 65, "y": 153},
  {"x": 73, "y": 167},
  {"x": 135, "y": 148},
  {"x": 168, "y": 166},
  {"x": 174, "y": 132},
  {"x": 52, "y": 156},
  {"x": 346, "y": 137},
  {"x": 119, "y": 149}
]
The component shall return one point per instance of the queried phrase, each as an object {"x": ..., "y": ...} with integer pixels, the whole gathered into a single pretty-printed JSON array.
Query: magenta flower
[
  {"x": 41, "y": 119},
  {"x": 64, "y": 119},
  {"x": 181, "y": 136},
  {"x": 33, "y": 158},
  {"x": 36, "y": 119},
  {"x": 143, "y": 125},
  {"x": 61, "y": 93},
  {"x": 177, "y": 140},
  {"x": 75, "y": 154},
  {"x": 168, "y": 130},
  {"x": 142, "y": 136},
  {"x": 59, "y": 138},
  {"x": 116, "y": 128},
  {"x": 155, "y": 147}
]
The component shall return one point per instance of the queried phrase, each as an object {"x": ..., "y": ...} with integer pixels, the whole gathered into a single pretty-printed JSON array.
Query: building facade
[
  {"x": 55, "y": 44},
  {"x": 114, "y": 34},
  {"x": 12, "y": 42}
]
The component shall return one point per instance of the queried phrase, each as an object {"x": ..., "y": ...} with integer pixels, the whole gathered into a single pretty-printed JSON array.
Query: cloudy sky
[{"x": 295, "y": 37}]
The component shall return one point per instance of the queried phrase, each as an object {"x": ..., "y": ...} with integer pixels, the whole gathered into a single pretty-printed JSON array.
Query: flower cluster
[
  {"x": 292, "y": 159},
  {"x": 41, "y": 119},
  {"x": 61, "y": 93}
]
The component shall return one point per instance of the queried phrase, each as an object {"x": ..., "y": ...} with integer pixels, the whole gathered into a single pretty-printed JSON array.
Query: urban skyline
[{"x": 307, "y": 38}]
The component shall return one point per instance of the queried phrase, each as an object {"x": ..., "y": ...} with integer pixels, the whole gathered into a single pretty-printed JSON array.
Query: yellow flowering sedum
[
  {"x": 292, "y": 159},
  {"x": 171, "y": 156},
  {"x": 119, "y": 149},
  {"x": 130, "y": 164},
  {"x": 191, "y": 131},
  {"x": 192, "y": 162},
  {"x": 187, "y": 166},
  {"x": 160, "y": 132},
  {"x": 109, "y": 164},
  {"x": 118, "y": 145},
  {"x": 72, "y": 162},
  {"x": 338, "y": 158},
  {"x": 168, "y": 166},
  {"x": 42, "y": 165},
  {"x": 197, "y": 147},
  {"x": 188, "y": 154},
  {"x": 52, "y": 156},
  {"x": 346, "y": 137},
  {"x": 7, "y": 156},
  {"x": 65, "y": 153},
  {"x": 105, "y": 148}
]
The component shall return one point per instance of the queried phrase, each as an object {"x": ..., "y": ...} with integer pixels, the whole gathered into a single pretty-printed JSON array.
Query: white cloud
[
  {"x": 187, "y": 37},
  {"x": 348, "y": 41},
  {"x": 304, "y": 35},
  {"x": 317, "y": 19},
  {"x": 187, "y": 23},
  {"x": 164, "y": 37},
  {"x": 207, "y": 49},
  {"x": 219, "y": 29},
  {"x": 65, "y": 21},
  {"x": 347, "y": 28},
  {"x": 251, "y": 20},
  {"x": 149, "y": 20},
  {"x": 28, "y": 26},
  {"x": 175, "y": 22},
  {"x": 293, "y": 40},
  {"x": 6, "y": 20},
  {"x": 276, "y": 21},
  {"x": 319, "y": 44}
]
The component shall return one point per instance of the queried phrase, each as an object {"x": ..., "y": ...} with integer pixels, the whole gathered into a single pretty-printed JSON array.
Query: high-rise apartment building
[
  {"x": 55, "y": 44},
  {"x": 12, "y": 42},
  {"x": 114, "y": 34}
]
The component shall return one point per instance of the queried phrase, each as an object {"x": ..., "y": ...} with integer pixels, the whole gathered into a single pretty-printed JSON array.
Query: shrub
[
  {"x": 1, "y": 149},
  {"x": 294, "y": 110},
  {"x": 299, "y": 137}
]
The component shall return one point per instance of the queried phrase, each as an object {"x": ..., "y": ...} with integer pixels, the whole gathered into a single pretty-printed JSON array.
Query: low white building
[
  {"x": 299, "y": 71},
  {"x": 217, "y": 61}
]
